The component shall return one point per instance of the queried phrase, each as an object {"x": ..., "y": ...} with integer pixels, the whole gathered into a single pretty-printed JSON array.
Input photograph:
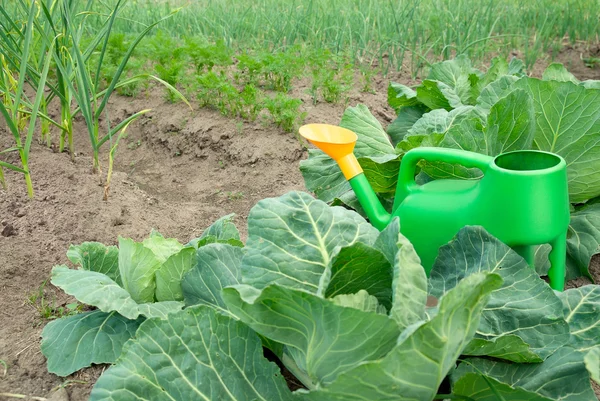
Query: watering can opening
[
  {"x": 335, "y": 141},
  {"x": 528, "y": 160}
]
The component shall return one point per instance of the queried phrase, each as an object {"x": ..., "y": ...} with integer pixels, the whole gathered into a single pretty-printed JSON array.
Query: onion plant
[
  {"x": 13, "y": 100},
  {"x": 43, "y": 36},
  {"x": 85, "y": 86},
  {"x": 53, "y": 33}
]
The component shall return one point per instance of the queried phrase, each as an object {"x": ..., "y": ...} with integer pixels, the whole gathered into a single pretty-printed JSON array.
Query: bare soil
[{"x": 177, "y": 171}]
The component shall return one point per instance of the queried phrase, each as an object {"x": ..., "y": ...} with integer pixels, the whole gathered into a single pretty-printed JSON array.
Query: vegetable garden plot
[
  {"x": 343, "y": 306},
  {"x": 501, "y": 110}
]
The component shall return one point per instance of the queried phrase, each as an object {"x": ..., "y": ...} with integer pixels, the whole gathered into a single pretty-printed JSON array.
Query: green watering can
[{"x": 522, "y": 198}]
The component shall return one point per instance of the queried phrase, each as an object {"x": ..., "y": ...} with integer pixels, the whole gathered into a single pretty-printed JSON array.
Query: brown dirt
[
  {"x": 177, "y": 171},
  {"x": 571, "y": 56}
]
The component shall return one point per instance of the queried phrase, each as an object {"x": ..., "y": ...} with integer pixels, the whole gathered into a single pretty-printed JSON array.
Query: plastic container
[{"x": 522, "y": 198}]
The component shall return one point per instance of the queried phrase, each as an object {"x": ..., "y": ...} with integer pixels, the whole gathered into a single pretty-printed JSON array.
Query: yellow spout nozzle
[{"x": 337, "y": 142}]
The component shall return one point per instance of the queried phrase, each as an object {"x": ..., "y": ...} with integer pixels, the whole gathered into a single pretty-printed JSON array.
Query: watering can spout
[{"x": 338, "y": 143}]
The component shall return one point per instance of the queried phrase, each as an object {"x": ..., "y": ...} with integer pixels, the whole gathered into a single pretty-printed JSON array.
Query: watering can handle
[{"x": 406, "y": 179}]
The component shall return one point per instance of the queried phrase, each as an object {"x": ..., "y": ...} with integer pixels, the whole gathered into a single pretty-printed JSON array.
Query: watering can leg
[
  {"x": 527, "y": 252},
  {"x": 557, "y": 263}
]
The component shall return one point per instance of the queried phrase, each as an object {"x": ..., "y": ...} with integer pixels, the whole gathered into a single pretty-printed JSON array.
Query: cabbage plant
[
  {"x": 501, "y": 110},
  {"x": 126, "y": 285},
  {"x": 351, "y": 314}
]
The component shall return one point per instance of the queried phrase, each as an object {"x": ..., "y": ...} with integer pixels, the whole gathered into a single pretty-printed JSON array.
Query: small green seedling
[
  {"x": 285, "y": 111},
  {"x": 592, "y": 62},
  {"x": 49, "y": 310},
  {"x": 235, "y": 195}
]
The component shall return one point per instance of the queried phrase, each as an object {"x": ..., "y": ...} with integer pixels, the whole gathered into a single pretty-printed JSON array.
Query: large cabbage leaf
[
  {"x": 535, "y": 328},
  {"x": 568, "y": 123},
  {"x": 95, "y": 289},
  {"x": 509, "y": 125},
  {"x": 563, "y": 376},
  {"x": 583, "y": 240},
  {"x": 217, "y": 266},
  {"x": 293, "y": 239},
  {"x": 477, "y": 387},
  {"x": 171, "y": 272},
  {"x": 137, "y": 267},
  {"x": 582, "y": 312},
  {"x": 161, "y": 247},
  {"x": 360, "y": 267},
  {"x": 425, "y": 353},
  {"x": 409, "y": 284},
  {"x": 328, "y": 339},
  {"x": 75, "y": 342},
  {"x": 96, "y": 257},
  {"x": 195, "y": 354}
]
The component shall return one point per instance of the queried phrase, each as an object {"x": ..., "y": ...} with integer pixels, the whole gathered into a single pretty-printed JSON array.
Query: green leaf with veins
[
  {"x": 592, "y": 363},
  {"x": 361, "y": 301},
  {"x": 557, "y": 72},
  {"x": 75, "y": 342},
  {"x": 159, "y": 309},
  {"x": 437, "y": 95},
  {"x": 196, "y": 354},
  {"x": 535, "y": 311},
  {"x": 407, "y": 117},
  {"x": 409, "y": 284},
  {"x": 425, "y": 353},
  {"x": 431, "y": 128},
  {"x": 568, "y": 123},
  {"x": 323, "y": 177},
  {"x": 483, "y": 388},
  {"x": 95, "y": 289},
  {"x": 217, "y": 266},
  {"x": 562, "y": 376},
  {"x": 359, "y": 267},
  {"x": 400, "y": 96},
  {"x": 509, "y": 126},
  {"x": 495, "y": 91},
  {"x": 223, "y": 230},
  {"x": 509, "y": 347},
  {"x": 468, "y": 135},
  {"x": 381, "y": 172},
  {"x": 96, "y": 257},
  {"x": 373, "y": 139},
  {"x": 328, "y": 339},
  {"x": 211, "y": 239},
  {"x": 583, "y": 240},
  {"x": 137, "y": 266},
  {"x": 582, "y": 312},
  {"x": 497, "y": 70},
  {"x": 591, "y": 84},
  {"x": 371, "y": 265},
  {"x": 162, "y": 247},
  {"x": 455, "y": 73},
  {"x": 171, "y": 272},
  {"x": 516, "y": 67},
  {"x": 292, "y": 240},
  {"x": 350, "y": 201}
]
